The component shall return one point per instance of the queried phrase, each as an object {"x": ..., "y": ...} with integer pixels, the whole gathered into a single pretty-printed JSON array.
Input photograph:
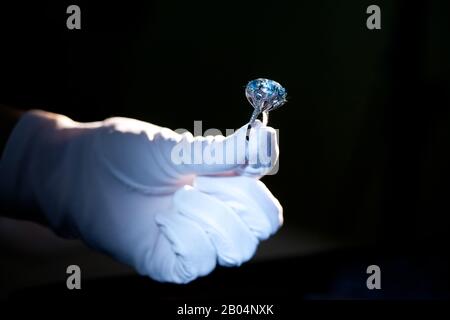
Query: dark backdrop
[{"x": 364, "y": 138}]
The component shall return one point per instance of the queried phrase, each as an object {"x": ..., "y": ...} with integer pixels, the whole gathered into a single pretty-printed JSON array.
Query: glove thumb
[{"x": 231, "y": 155}]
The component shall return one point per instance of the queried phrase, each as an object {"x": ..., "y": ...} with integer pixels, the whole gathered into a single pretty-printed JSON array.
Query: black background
[{"x": 364, "y": 137}]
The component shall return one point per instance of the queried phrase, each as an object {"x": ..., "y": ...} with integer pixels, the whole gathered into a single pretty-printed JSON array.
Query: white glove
[{"x": 118, "y": 185}]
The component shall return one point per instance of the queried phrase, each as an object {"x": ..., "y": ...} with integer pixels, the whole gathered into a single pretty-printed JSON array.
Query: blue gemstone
[{"x": 265, "y": 94}]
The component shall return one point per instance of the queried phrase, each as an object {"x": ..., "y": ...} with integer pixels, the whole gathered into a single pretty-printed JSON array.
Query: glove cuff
[
  {"x": 15, "y": 162},
  {"x": 29, "y": 166}
]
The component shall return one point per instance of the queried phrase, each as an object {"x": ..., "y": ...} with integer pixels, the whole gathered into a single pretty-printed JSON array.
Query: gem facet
[{"x": 265, "y": 95}]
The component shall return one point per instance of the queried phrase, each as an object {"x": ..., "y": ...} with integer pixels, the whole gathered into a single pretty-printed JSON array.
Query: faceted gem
[{"x": 265, "y": 95}]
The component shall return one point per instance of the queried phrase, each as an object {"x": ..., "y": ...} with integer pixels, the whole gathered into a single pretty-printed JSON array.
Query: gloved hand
[{"x": 120, "y": 186}]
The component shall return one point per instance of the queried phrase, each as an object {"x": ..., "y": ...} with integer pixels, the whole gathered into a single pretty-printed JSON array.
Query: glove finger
[
  {"x": 262, "y": 154},
  {"x": 249, "y": 198},
  {"x": 229, "y": 155},
  {"x": 233, "y": 240},
  {"x": 183, "y": 250}
]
